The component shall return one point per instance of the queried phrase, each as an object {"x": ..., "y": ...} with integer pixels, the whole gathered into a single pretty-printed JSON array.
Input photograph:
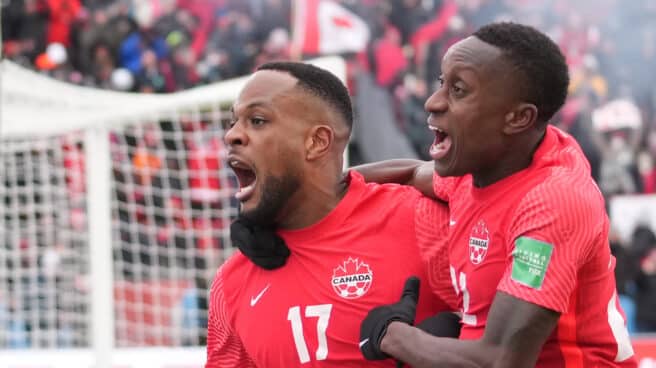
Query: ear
[
  {"x": 521, "y": 118},
  {"x": 319, "y": 141}
]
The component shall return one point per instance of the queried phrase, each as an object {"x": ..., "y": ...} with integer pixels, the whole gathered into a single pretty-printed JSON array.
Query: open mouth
[
  {"x": 441, "y": 145},
  {"x": 246, "y": 177}
]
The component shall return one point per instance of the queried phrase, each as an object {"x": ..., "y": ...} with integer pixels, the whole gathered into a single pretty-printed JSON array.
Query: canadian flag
[{"x": 326, "y": 27}]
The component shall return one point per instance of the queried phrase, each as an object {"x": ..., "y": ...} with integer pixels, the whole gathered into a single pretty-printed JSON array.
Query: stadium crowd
[{"x": 158, "y": 46}]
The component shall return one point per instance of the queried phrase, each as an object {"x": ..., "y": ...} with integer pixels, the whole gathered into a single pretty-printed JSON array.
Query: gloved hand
[
  {"x": 259, "y": 244},
  {"x": 374, "y": 326},
  {"x": 443, "y": 324}
]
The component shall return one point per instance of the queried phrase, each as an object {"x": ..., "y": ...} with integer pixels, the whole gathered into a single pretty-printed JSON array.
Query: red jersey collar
[{"x": 550, "y": 139}]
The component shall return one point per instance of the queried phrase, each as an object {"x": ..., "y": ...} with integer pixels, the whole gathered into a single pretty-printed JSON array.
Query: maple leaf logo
[
  {"x": 352, "y": 279},
  {"x": 342, "y": 22},
  {"x": 479, "y": 241},
  {"x": 480, "y": 231},
  {"x": 351, "y": 266}
]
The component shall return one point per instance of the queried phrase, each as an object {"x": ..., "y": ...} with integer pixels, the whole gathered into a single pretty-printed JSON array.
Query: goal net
[{"x": 114, "y": 218}]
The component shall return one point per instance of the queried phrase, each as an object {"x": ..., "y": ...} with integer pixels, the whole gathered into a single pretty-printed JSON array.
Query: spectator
[
  {"x": 62, "y": 14},
  {"x": 390, "y": 61},
  {"x": 276, "y": 47},
  {"x": 626, "y": 271},
  {"x": 160, "y": 46},
  {"x": 644, "y": 245},
  {"x": 146, "y": 164},
  {"x": 25, "y": 33},
  {"x": 647, "y": 164},
  {"x": 415, "y": 115},
  {"x": 269, "y": 16},
  {"x": 154, "y": 75},
  {"x": 617, "y": 166},
  {"x": 205, "y": 167}
]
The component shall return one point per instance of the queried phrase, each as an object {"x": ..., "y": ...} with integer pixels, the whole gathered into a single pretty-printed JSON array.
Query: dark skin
[
  {"x": 280, "y": 130},
  {"x": 494, "y": 134}
]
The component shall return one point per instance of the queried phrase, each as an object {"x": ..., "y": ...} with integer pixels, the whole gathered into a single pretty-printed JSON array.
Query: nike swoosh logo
[
  {"x": 363, "y": 342},
  {"x": 257, "y": 297},
  {"x": 452, "y": 222}
]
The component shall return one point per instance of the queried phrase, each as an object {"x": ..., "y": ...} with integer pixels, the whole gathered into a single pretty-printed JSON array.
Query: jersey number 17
[{"x": 322, "y": 312}]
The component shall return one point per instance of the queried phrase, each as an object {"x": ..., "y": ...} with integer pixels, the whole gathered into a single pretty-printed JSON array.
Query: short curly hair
[
  {"x": 318, "y": 82},
  {"x": 544, "y": 76}
]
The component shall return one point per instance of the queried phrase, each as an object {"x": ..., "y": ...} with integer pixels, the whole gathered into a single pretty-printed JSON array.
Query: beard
[{"x": 276, "y": 191}]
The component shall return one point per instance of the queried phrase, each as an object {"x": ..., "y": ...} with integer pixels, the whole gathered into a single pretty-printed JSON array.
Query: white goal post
[{"x": 114, "y": 216}]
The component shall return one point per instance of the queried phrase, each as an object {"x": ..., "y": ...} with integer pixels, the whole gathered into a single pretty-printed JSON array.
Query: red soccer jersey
[
  {"x": 540, "y": 235},
  {"x": 308, "y": 312}
]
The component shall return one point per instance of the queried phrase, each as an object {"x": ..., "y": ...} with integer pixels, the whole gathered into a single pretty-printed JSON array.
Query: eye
[
  {"x": 457, "y": 90},
  {"x": 440, "y": 81},
  {"x": 257, "y": 121}
]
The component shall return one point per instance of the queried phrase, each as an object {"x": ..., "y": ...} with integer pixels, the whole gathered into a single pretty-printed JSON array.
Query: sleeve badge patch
[{"x": 530, "y": 262}]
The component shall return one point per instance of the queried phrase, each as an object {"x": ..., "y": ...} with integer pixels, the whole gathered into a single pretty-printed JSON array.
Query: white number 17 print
[{"x": 322, "y": 312}]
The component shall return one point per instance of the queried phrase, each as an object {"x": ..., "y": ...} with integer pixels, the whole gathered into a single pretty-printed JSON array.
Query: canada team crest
[
  {"x": 352, "y": 279},
  {"x": 478, "y": 242}
]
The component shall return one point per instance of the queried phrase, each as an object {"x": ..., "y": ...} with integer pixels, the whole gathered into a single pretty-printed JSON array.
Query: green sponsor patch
[{"x": 530, "y": 261}]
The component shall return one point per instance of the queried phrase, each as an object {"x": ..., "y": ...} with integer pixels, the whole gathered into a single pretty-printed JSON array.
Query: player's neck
[
  {"x": 316, "y": 199},
  {"x": 518, "y": 157}
]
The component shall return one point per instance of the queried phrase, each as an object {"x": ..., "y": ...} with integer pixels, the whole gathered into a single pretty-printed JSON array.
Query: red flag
[{"x": 326, "y": 27}]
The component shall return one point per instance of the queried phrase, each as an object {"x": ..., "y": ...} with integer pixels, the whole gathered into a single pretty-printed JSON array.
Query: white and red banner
[
  {"x": 323, "y": 27},
  {"x": 617, "y": 114}
]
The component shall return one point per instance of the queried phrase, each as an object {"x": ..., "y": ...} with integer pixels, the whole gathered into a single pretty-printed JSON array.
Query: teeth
[
  {"x": 434, "y": 128},
  {"x": 237, "y": 164}
]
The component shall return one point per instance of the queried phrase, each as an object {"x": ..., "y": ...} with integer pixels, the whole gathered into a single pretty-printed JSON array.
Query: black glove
[
  {"x": 443, "y": 324},
  {"x": 374, "y": 326},
  {"x": 259, "y": 244}
]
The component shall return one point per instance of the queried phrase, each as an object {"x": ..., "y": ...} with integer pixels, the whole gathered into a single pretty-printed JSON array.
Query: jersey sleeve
[
  {"x": 431, "y": 229},
  {"x": 553, "y": 231},
  {"x": 224, "y": 347}
]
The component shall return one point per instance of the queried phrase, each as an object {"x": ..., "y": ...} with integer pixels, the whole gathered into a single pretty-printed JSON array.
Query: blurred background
[{"x": 170, "y": 193}]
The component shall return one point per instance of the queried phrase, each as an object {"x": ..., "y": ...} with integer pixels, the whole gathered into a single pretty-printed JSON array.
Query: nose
[
  {"x": 437, "y": 102},
  {"x": 235, "y": 135}
]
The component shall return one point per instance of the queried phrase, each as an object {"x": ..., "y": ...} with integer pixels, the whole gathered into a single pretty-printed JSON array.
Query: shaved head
[{"x": 320, "y": 83}]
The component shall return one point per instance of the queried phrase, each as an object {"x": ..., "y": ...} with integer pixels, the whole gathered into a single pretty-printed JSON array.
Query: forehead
[
  {"x": 472, "y": 53},
  {"x": 264, "y": 87}
]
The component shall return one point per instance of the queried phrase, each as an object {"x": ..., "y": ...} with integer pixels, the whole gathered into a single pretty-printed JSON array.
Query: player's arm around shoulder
[
  {"x": 514, "y": 336},
  {"x": 431, "y": 226},
  {"x": 416, "y": 173},
  {"x": 515, "y": 332},
  {"x": 224, "y": 347},
  {"x": 527, "y": 305}
]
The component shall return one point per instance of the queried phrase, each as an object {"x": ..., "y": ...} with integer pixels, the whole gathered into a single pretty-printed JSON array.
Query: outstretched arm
[
  {"x": 514, "y": 335},
  {"x": 416, "y": 173}
]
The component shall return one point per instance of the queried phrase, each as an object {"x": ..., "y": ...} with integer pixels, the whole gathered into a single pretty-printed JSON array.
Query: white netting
[
  {"x": 171, "y": 211},
  {"x": 170, "y": 207},
  {"x": 43, "y": 296}
]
